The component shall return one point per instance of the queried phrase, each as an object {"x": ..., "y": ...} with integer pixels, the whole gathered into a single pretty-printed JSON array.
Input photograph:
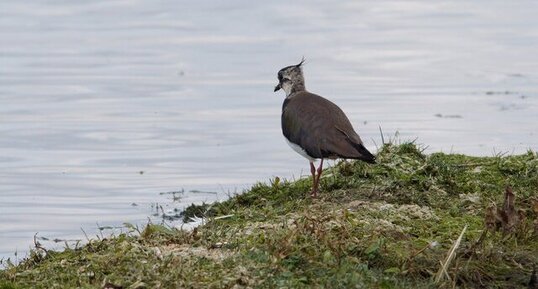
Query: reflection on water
[{"x": 106, "y": 104}]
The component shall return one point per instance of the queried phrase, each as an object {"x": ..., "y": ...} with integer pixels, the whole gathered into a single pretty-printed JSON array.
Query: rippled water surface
[{"x": 106, "y": 104}]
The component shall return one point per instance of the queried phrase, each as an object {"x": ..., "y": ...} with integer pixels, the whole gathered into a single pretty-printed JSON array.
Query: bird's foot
[{"x": 314, "y": 194}]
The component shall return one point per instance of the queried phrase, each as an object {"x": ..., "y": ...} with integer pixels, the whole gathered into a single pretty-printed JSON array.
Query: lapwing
[{"x": 315, "y": 127}]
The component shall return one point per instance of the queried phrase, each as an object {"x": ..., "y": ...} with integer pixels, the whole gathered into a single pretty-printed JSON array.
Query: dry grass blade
[{"x": 450, "y": 256}]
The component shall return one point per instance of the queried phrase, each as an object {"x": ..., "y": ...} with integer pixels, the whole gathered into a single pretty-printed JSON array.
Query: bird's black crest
[{"x": 301, "y": 63}]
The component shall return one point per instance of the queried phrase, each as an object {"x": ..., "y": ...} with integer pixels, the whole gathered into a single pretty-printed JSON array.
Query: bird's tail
[{"x": 364, "y": 154}]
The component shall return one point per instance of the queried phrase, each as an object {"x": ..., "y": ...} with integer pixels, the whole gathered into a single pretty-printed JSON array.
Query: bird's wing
[{"x": 320, "y": 127}]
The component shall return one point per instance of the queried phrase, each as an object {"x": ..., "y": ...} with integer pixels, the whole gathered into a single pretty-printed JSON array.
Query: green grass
[{"x": 388, "y": 225}]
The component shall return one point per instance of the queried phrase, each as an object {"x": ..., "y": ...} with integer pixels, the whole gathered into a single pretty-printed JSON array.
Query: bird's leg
[
  {"x": 320, "y": 170},
  {"x": 313, "y": 172},
  {"x": 316, "y": 179}
]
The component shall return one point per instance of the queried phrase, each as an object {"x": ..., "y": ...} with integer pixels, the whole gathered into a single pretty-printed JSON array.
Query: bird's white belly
[{"x": 300, "y": 151}]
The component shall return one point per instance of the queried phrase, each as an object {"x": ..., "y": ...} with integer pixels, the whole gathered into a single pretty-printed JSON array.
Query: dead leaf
[
  {"x": 491, "y": 220},
  {"x": 507, "y": 218}
]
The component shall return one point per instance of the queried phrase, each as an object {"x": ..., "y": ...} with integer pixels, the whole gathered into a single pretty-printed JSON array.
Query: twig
[
  {"x": 85, "y": 235},
  {"x": 450, "y": 256},
  {"x": 223, "y": 217},
  {"x": 38, "y": 245},
  {"x": 430, "y": 245},
  {"x": 382, "y": 137}
]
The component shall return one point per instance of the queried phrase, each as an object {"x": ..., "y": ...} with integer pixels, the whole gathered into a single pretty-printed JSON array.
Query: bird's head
[{"x": 291, "y": 79}]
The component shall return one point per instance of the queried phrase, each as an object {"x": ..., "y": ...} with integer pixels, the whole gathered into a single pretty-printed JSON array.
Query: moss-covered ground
[{"x": 395, "y": 224}]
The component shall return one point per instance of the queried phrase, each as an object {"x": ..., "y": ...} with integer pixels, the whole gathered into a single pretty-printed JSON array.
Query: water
[{"x": 106, "y": 104}]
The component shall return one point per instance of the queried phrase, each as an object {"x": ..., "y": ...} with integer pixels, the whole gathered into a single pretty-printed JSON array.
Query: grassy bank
[{"x": 395, "y": 224}]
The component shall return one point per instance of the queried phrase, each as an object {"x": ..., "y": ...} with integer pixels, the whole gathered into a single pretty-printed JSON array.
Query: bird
[{"x": 315, "y": 127}]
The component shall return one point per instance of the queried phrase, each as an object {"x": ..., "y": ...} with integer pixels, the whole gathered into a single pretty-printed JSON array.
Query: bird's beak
[{"x": 278, "y": 87}]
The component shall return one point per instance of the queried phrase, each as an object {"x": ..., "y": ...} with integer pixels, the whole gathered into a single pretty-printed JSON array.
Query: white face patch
[
  {"x": 286, "y": 86},
  {"x": 300, "y": 150}
]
